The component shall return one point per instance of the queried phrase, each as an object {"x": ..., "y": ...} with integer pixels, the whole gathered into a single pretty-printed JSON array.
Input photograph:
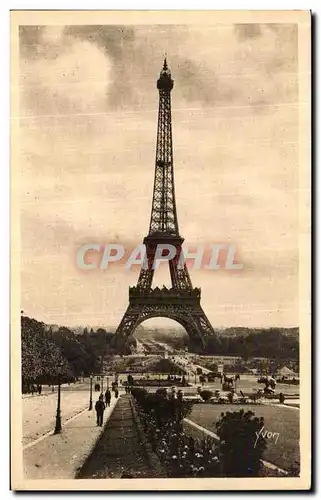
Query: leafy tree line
[
  {"x": 279, "y": 343},
  {"x": 270, "y": 343},
  {"x": 46, "y": 353}
]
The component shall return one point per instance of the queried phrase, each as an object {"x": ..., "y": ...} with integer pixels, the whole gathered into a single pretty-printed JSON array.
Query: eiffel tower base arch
[{"x": 182, "y": 307}]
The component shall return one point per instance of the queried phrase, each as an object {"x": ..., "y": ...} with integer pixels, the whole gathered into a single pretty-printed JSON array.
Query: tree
[
  {"x": 41, "y": 358},
  {"x": 240, "y": 448},
  {"x": 101, "y": 331},
  {"x": 72, "y": 349}
]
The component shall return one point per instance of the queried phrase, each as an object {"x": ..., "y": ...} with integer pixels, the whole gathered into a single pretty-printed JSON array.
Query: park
[{"x": 183, "y": 421}]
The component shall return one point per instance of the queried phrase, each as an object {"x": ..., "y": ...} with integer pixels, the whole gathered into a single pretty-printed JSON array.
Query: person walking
[
  {"x": 116, "y": 392},
  {"x": 107, "y": 397},
  {"x": 100, "y": 408}
]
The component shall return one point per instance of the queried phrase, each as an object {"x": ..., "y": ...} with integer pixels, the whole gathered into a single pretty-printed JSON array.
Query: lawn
[{"x": 283, "y": 420}]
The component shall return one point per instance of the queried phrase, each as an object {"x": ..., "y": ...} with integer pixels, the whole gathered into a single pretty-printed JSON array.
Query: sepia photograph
[{"x": 160, "y": 250}]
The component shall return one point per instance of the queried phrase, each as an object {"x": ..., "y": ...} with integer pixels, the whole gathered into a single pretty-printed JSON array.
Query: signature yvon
[{"x": 269, "y": 435}]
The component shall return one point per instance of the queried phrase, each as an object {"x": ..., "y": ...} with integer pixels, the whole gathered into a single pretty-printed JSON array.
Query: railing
[{"x": 164, "y": 292}]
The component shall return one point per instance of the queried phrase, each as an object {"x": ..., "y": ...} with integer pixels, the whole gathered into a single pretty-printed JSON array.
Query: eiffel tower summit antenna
[{"x": 181, "y": 302}]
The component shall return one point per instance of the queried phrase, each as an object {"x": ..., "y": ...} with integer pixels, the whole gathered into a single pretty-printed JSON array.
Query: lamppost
[
  {"x": 58, "y": 414},
  {"x": 102, "y": 383},
  {"x": 91, "y": 394}
]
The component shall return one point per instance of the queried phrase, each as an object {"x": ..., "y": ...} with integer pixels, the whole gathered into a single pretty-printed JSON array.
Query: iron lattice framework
[{"x": 182, "y": 302}]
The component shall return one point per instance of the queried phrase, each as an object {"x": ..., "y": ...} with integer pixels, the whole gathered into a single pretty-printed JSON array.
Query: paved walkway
[
  {"x": 61, "y": 456},
  {"x": 39, "y": 412},
  {"x": 119, "y": 450}
]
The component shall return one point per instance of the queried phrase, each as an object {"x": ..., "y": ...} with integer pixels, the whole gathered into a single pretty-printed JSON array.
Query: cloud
[
  {"x": 117, "y": 42},
  {"x": 29, "y": 39},
  {"x": 88, "y": 130},
  {"x": 63, "y": 76},
  {"x": 195, "y": 88},
  {"x": 247, "y": 31},
  {"x": 113, "y": 39},
  {"x": 123, "y": 61}
]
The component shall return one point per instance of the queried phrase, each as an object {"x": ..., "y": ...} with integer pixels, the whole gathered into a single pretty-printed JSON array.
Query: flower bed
[
  {"x": 162, "y": 415},
  {"x": 184, "y": 452}
]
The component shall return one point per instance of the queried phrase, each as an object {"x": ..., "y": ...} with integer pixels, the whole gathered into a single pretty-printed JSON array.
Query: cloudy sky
[{"x": 88, "y": 116}]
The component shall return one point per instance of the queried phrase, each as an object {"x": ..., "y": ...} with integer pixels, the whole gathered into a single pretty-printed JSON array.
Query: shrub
[
  {"x": 162, "y": 391},
  {"x": 139, "y": 393},
  {"x": 162, "y": 407},
  {"x": 240, "y": 450},
  {"x": 206, "y": 395}
]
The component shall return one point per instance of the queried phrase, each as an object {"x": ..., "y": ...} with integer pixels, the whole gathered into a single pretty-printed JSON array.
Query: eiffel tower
[{"x": 181, "y": 302}]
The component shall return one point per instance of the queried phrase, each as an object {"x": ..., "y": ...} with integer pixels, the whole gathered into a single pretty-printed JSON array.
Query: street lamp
[
  {"x": 58, "y": 414},
  {"x": 102, "y": 383},
  {"x": 91, "y": 394}
]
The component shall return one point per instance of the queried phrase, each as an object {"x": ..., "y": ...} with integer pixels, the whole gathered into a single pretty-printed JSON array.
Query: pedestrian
[
  {"x": 107, "y": 397},
  {"x": 39, "y": 389},
  {"x": 100, "y": 408},
  {"x": 116, "y": 392}
]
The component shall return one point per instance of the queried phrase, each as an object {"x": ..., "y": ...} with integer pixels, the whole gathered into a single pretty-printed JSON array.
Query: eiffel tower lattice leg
[
  {"x": 203, "y": 325},
  {"x": 127, "y": 325}
]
